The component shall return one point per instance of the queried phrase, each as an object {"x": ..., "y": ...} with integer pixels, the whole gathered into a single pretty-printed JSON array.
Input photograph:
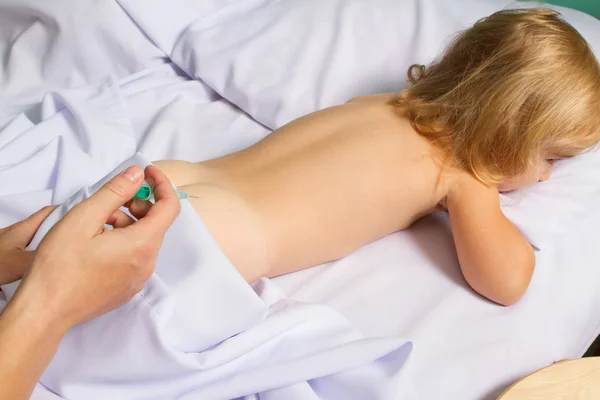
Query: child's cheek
[{"x": 518, "y": 182}]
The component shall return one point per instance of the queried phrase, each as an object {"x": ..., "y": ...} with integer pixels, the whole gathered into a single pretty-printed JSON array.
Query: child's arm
[{"x": 495, "y": 259}]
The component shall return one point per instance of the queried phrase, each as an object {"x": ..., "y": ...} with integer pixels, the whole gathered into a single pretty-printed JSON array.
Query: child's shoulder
[{"x": 375, "y": 98}]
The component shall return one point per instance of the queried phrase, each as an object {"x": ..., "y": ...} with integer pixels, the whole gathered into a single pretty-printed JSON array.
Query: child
[{"x": 509, "y": 97}]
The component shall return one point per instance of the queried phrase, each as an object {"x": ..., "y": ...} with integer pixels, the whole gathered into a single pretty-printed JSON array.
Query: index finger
[{"x": 166, "y": 207}]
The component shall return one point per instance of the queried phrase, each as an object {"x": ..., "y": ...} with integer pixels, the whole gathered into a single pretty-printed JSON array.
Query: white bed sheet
[{"x": 407, "y": 284}]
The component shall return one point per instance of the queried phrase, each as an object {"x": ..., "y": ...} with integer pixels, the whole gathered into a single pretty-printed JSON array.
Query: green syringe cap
[{"x": 144, "y": 193}]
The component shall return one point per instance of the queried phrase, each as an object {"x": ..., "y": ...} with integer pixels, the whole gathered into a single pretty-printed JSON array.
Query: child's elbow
[
  {"x": 512, "y": 295},
  {"x": 515, "y": 285}
]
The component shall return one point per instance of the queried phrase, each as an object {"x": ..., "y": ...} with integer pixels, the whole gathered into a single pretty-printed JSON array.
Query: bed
[{"x": 406, "y": 285}]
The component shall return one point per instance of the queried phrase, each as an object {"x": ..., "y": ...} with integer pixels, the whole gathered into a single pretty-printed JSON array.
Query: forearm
[
  {"x": 495, "y": 259},
  {"x": 28, "y": 341}
]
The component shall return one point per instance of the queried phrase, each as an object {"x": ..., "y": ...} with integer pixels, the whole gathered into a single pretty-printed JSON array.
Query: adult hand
[
  {"x": 13, "y": 240},
  {"x": 80, "y": 270}
]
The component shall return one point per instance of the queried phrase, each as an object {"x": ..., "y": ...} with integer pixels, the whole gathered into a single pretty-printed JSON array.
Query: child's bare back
[{"x": 316, "y": 189}]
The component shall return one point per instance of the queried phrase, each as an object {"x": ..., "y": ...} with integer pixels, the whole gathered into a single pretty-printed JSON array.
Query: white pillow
[
  {"x": 281, "y": 59},
  {"x": 545, "y": 211}
]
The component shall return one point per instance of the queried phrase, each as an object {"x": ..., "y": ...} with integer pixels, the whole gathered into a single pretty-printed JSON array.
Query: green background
[{"x": 591, "y": 7}]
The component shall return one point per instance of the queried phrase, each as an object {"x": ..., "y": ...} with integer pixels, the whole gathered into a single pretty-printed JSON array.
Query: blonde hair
[{"x": 518, "y": 84}]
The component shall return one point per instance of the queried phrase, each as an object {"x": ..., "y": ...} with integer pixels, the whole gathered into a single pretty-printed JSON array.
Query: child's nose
[{"x": 545, "y": 175}]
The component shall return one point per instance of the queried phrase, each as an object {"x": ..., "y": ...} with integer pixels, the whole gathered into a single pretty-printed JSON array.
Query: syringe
[{"x": 147, "y": 193}]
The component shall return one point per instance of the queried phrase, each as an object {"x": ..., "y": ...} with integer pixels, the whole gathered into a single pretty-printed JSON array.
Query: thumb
[
  {"x": 93, "y": 212},
  {"x": 23, "y": 231}
]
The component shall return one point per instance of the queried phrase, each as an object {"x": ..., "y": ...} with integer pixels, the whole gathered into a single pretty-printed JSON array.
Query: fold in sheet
[
  {"x": 45, "y": 47},
  {"x": 197, "y": 330}
]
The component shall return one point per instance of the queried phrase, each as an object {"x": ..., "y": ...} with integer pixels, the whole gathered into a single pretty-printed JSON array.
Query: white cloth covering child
[{"x": 199, "y": 331}]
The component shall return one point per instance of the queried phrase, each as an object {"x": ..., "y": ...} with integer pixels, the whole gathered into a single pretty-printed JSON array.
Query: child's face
[{"x": 539, "y": 173}]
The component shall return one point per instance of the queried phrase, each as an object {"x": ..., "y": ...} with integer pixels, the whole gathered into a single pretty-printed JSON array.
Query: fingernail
[
  {"x": 133, "y": 173},
  {"x": 150, "y": 181}
]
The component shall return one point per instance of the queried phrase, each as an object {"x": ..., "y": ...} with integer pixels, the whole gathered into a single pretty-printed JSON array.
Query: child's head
[{"x": 509, "y": 96}]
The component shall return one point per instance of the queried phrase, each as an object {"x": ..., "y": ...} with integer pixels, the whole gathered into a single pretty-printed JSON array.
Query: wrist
[
  {"x": 29, "y": 338},
  {"x": 34, "y": 309}
]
